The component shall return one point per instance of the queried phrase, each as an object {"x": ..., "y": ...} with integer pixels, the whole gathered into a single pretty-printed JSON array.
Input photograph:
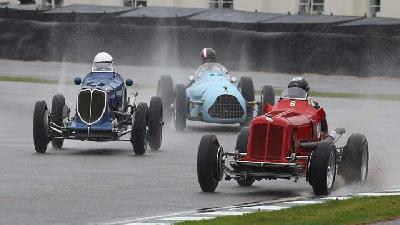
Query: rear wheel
[
  {"x": 267, "y": 97},
  {"x": 57, "y": 106},
  {"x": 155, "y": 123},
  {"x": 139, "y": 129},
  {"x": 165, "y": 90},
  {"x": 41, "y": 127},
  {"x": 180, "y": 107},
  {"x": 241, "y": 141},
  {"x": 246, "y": 88},
  {"x": 355, "y": 165},
  {"x": 323, "y": 168},
  {"x": 209, "y": 163},
  {"x": 245, "y": 182}
]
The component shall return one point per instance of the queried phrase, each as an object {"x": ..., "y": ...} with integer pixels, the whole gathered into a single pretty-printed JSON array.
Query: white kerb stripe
[
  {"x": 266, "y": 207},
  {"x": 187, "y": 218},
  {"x": 225, "y": 213},
  {"x": 378, "y": 194},
  {"x": 304, "y": 202},
  {"x": 147, "y": 224}
]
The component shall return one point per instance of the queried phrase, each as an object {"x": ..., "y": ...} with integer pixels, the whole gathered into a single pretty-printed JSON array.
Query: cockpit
[
  {"x": 209, "y": 68},
  {"x": 294, "y": 93}
]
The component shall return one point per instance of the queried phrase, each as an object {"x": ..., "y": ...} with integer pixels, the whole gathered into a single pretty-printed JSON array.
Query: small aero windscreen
[
  {"x": 294, "y": 93},
  {"x": 210, "y": 68}
]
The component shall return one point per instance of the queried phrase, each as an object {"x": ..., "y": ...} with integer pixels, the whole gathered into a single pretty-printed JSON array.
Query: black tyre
[
  {"x": 180, "y": 107},
  {"x": 356, "y": 156},
  {"x": 209, "y": 163},
  {"x": 41, "y": 127},
  {"x": 139, "y": 129},
  {"x": 165, "y": 90},
  {"x": 323, "y": 168},
  {"x": 241, "y": 141},
  {"x": 155, "y": 123},
  {"x": 245, "y": 182},
  {"x": 246, "y": 87},
  {"x": 267, "y": 97},
  {"x": 57, "y": 106}
]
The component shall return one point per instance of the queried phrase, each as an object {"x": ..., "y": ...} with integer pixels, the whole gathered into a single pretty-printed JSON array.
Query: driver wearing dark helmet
[{"x": 302, "y": 83}]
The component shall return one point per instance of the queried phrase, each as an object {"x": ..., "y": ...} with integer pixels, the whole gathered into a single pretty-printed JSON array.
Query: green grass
[
  {"x": 27, "y": 80},
  {"x": 390, "y": 97},
  {"x": 358, "y": 210}
]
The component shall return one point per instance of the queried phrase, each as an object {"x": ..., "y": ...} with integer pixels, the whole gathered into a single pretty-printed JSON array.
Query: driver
[
  {"x": 209, "y": 58},
  {"x": 103, "y": 62},
  {"x": 302, "y": 83}
]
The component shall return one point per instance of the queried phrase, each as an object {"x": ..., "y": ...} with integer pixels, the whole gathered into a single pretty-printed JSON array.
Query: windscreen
[
  {"x": 210, "y": 68},
  {"x": 294, "y": 93}
]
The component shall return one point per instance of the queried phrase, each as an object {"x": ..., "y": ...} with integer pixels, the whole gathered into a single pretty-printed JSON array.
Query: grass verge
[
  {"x": 390, "y": 97},
  {"x": 358, "y": 210},
  {"x": 27, "y": 80}
]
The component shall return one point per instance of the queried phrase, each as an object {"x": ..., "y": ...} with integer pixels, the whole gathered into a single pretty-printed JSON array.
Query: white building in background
[{"x": 382, "y": 8}]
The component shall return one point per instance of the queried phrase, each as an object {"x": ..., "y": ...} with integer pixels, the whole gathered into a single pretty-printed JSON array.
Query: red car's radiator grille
[
  {"x": 275, "y": 138},
  {"x": 226, "y": 107},
  {"x": 258, "y": 140}
]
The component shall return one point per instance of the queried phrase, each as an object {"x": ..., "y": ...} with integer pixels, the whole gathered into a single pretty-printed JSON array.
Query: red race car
[{"x": 291, "y": 140}]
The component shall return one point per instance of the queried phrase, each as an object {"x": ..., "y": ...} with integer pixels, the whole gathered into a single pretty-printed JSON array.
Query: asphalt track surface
[{"x": 88, "y": 182}]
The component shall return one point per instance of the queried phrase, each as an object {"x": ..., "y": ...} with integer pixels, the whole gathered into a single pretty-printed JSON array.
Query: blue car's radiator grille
[
  {"x": 91, "y": 105},
  {"x": 225, "y": 107}
]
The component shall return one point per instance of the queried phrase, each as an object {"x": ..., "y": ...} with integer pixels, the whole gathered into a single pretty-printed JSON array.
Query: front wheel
[
  {"x": 209, "y": 163},
  {"x": 246, "y": 88},
  {"x": 180, "y": 107},
  {"x": 323, "y": 168},
  {"x": 241, "y": 141},
  {"x": 165, "y": 90},
  {"x": 155, "y": 123},
  {"x": 57, "y": 107},
  {"x": 245, "y": 182},
  {"x": 41, "y": 126},
  {"x": 267, "y": 97},
  {"x": 355, "y": 166},
  {"x": 139, "y": 129}
]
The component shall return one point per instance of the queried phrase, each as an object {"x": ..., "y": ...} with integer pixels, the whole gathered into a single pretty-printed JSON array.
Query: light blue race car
[{"x": 211, "y": 96}]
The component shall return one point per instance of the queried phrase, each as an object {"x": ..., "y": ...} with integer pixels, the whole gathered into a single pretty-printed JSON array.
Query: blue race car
[
  {"x": 104, "y": 112},
  {"x": 211, "y": 96}
]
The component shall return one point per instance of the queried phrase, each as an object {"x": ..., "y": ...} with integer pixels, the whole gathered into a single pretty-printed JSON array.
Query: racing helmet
[
  {"x": 299, "y": 82},
  {"x": 102, "y": 62},
  {"x": 208, "y": 55}
]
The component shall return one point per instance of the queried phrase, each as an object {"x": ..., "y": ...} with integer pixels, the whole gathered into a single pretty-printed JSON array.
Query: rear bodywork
[{"x": 212, "y": 98}]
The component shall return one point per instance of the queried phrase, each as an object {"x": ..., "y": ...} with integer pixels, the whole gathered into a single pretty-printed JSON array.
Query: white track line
[{"x": 266, "y": 207}]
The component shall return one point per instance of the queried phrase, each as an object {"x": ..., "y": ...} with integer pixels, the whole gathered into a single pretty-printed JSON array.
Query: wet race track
[{"x": 104, "y": 182}]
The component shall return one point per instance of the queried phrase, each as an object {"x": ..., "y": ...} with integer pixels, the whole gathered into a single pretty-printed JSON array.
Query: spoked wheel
[
  {"x": 267, "y": 97},
  {"x": 246, "y": 88},
  {"x": 165, "y": 90},
  {"x": 355, "y": 166},
  {"x": 57, "y": 106},
  {"x": 209, "y": 163},
  {"x": 180, "y": 107},
  {"x": 139, "y": 129},
  {"x": 323, "y": 168},
  {"x": 41, "y": 127},
  {"x": 155, "y": 123}
]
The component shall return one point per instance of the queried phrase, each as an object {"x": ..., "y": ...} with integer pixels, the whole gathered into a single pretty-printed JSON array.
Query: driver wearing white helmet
[{"x": 103, "y": 62}]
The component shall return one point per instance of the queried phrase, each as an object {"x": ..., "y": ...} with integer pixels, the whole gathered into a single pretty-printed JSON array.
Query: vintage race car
[
  {"x": 104, "y": 112},
  {"x": 290, "y": 140},
  {"x": 211, "y": 96}
]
